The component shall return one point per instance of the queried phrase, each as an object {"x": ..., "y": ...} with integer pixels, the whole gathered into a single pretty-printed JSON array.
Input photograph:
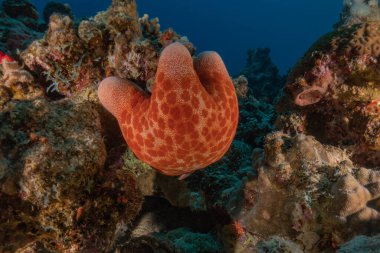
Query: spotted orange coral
[{"x": 190, "y": 119}]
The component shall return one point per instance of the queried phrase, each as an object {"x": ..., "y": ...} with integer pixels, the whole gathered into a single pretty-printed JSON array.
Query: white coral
[{"x": 361, "y": 10}]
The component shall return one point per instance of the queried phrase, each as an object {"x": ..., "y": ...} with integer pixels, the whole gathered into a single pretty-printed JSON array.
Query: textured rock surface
[
  {"x": 55, "y": 7},
  {"x": 311, "y": 192},
  {"x": 16, "y": 83},
  {"x": 361, "y": 243},
  {"x": 114, "y": 42},
  {"x": 52, "y": 156},
  {"x": 22, "y": 10},
  {"x": 333, "y": 92}
]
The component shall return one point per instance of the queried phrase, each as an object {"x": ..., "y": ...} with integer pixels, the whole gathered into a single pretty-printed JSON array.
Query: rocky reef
[
  {"x": 333, "y": 92},
  {"x": 263, "y": 76},
  {"x": 18, "y": 25},
  {"x": 300, "y": 176}
]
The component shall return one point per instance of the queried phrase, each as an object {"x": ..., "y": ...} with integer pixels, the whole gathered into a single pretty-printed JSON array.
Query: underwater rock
[
  {"x": 278, "y": 244},
  {"x": 186, "y": 241},
  {"x": 363, "y": 244},
  {"x": 14, "y": 34},
  {"x": 60, "y": 60},
  {"x": 55, "y": 7},
  {"x": 333, "y": 92},
  {"x": 114, "y": 42},
  {"x": 52, "y": 156},
  {"x": 23, "y": 11},
  {"x": 16, "y": 83},
  {"x": 357, "y": 11},
  {"x": 136, "y": 60},
  {"x": 263, "y": 76},
  {"x": 256, "y": 119},
  {"x": 161, "y": 227},
  {"x": 219, "y": 186},
  {"x": 311, "y": 193}
]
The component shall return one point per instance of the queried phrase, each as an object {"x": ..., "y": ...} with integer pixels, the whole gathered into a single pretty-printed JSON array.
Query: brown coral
[
  {"x": 313, "y": 193},
  {"x": 51, "y": 176},
  {"x": 16, "y": 83},
  {"x": 334, "y": 89}
]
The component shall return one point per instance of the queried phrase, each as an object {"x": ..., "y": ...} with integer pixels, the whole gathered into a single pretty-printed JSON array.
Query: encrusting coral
[
  {"x": 16, "y": 83},
  {"x": 310, "y": 193},
  {"x": 186, "y": 124},
  {"x": 333, "y": 92},
  {"x": 52, "y": 181}
]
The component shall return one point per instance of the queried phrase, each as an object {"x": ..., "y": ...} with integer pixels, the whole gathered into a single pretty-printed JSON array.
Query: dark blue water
[{"x": 288, "y": 27}]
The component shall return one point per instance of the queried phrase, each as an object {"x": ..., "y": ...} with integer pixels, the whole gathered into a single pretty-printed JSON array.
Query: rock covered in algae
[
  {"x": 52, "y": 179},
  {"x": 361, "y": 243},
  {"x": 356, "y": 11},
  {"x": 333, "y": 93},
  {"x": 55, "y": 7},
  {"x": 18, "y": 25},
  {"x": 114, "y": 42},
  {"x": 311, "y": 193},
  {"x": 16, "y": 83},
  {"x": 22, "y": 10}
]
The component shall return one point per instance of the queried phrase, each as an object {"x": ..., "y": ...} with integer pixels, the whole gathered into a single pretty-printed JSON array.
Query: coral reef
[
  {"x": 357, "y": 11},
  {"x": 177, "y": 131},
  {"x": 318, "y": 176},
  {"x": 361, "y": 243},
  {"x": 52, "y": 155},
  {"x": 68, "y": 182},
  {"x": 332, "y": 92},
  {"x": 18, "y": 25},
  {"x": 16, "y": 83},
  {"x": 114, "y": 42},
  {"x": 22, "y": 10},
  {"x": 311, "y": 192},
  {"x": 263, "y": 76},
  {"x": 55, "y": 7}
]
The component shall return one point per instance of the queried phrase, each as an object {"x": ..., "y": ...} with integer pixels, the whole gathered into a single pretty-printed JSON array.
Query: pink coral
[{"x": 189, "y": 121}]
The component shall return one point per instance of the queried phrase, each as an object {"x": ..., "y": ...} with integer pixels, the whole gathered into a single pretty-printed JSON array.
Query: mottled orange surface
[{"x": 190, "y": 119}]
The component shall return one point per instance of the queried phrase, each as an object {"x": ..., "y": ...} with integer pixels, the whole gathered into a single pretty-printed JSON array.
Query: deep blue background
[{"x": 288, "y": 27}]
